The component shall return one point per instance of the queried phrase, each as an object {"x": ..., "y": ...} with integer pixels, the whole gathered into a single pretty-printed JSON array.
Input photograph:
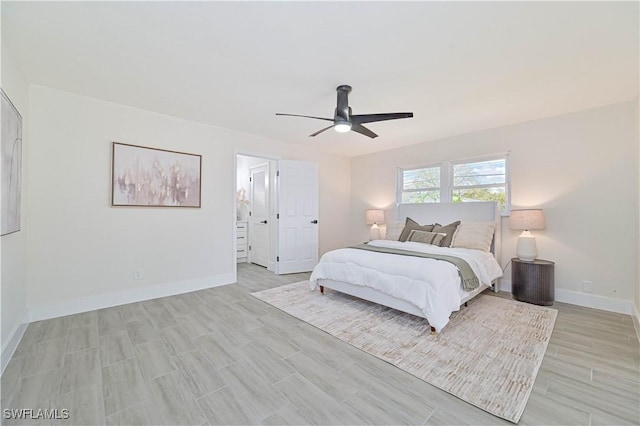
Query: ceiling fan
[{"x": 343, "y": 120}]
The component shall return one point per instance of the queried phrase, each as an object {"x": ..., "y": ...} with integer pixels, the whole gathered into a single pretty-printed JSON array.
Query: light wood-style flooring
[{"x": 220, "y": 356}]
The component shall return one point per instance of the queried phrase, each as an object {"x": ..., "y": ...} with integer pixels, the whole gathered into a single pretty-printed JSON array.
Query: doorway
[
  {"x": 255, "y": 196},
  {"x": 276, "y": 213}
]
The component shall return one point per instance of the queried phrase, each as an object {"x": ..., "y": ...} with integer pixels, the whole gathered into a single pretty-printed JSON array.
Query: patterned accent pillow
[
  {"x": 411, "y": 225},
  {"x": 449, "y": 229},
  {"x": 394, "y": 229},
  {"x": 426, "y": 237},
  {"x": 474, "y": 235}
]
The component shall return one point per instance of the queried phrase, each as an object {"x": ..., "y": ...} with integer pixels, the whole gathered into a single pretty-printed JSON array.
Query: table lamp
[
  {"x": 374, "y": 217},
  {"x": 526, "y": 220}
]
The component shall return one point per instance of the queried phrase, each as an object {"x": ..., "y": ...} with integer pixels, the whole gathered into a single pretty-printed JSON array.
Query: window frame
[
  {"x": 447, "y": 187},
  {"x": 400, "y": 181}
]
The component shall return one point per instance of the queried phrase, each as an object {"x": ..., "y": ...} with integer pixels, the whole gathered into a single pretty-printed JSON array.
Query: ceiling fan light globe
[{"x": 342, "y": 127}]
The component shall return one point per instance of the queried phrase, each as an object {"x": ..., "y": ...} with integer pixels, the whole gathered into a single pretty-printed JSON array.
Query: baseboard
[
  {"x": 13, "y": 341},
  {"x": 610, "y": 304},
  {"x": 636, "y": 320},
  {"x": 505, "y": 285},
  {"x": 587, "y": 300},
  {"x": 90, "y": 303}
]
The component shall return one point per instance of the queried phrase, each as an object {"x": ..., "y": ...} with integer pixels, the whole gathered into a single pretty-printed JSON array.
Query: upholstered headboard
[{"x": 444, "y": 213}]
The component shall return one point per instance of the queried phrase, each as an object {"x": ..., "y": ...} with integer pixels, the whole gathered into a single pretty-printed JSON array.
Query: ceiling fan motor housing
[{"x": 343, "y": 111}]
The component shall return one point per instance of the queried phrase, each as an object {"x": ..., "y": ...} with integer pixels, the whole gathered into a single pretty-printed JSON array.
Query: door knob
[
  {"x": 263, "y": 221},
  {"x": 314, "y": 221}
]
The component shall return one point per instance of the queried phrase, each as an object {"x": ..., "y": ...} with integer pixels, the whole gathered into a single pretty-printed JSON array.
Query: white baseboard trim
[
  {"x": 505, "y": 285},
  {"x": 610, "y": 304},
  {"x": 90, "y": 303},
  {"x": 636, "y": 320},
  {"x": 587, "y": 300},
  {"x": 15, "y": 336}
]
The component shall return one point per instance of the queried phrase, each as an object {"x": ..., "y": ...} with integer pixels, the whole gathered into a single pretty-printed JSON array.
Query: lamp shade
[
  {"x": 374, "y": 216},
  {"x": 526, "y": 219}
]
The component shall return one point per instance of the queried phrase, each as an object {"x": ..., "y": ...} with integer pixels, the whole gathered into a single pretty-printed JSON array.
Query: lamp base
[
  {"x": 374, "y": 232},
  {"x": 527, "y": 249}
]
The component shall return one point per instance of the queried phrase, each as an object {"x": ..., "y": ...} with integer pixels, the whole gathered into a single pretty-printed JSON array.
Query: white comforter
[{"x": 432, "y": 285}]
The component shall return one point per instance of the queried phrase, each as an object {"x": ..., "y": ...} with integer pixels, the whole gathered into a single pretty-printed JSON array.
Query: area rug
[{"x": 488, "y": 355}]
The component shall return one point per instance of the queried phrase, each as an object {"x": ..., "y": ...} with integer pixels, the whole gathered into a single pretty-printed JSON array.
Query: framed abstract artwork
[
  {"x": 11, "y": 157},
  {"x": 150, "y": 177}
]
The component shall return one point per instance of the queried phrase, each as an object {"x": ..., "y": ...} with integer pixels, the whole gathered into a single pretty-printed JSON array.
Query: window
[
  {"x": 421, "y": 185},
  {"x": 484, "y": 179},
  {"x": 480, "y": 181}
]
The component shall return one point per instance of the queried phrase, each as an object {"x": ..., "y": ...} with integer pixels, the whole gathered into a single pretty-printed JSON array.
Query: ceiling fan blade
[
  {"x": 305, "y": 116},
  {"x": 363, "y": 130},
  {"x": 320, "y": 131},
  {"x": 370, "y": 118}
]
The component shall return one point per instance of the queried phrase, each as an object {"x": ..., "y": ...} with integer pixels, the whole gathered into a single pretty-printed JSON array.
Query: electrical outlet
[
  {"x": 137, "y": 274},
  {"x": 587, "y": 286}
]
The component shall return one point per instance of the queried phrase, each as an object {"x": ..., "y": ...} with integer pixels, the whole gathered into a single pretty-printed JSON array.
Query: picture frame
[
  {"x": 11, "y": 157},
  {"x": 151, "y": 177}
]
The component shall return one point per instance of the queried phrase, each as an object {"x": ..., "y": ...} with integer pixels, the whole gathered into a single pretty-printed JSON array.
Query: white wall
[
  {"x": 82, "y": 252},
  {"x": 637, "y": 301},
  {"x": 13, "y": 246},
  {"x": 581, "y": 168}
]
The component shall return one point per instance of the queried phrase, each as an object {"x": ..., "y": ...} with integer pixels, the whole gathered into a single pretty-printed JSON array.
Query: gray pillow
[
  {"x": 449, "y": 229},
  {"x": 410, "y": 225},
  {"x": 426, "y": 237}
]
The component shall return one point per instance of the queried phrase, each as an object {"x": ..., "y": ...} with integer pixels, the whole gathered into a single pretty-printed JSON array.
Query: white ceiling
[{"x": 459, "y": 66}]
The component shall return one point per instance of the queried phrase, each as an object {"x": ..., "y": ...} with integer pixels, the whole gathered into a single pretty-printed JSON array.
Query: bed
[{"x": 428, "y": 288}]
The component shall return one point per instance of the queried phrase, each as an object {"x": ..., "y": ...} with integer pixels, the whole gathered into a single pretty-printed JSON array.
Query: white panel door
[
  {"x": 297, "y": 248},
  {"x": 258, "y": 219}
]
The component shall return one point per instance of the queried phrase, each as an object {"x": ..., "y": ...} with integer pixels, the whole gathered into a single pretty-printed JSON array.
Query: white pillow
[
  {"x": 474, "y": 235},
  {"x": 394, "y": 229}
]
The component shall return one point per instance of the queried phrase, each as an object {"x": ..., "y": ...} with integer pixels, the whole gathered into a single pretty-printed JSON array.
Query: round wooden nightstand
[{"x": 533, "y": 282}]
